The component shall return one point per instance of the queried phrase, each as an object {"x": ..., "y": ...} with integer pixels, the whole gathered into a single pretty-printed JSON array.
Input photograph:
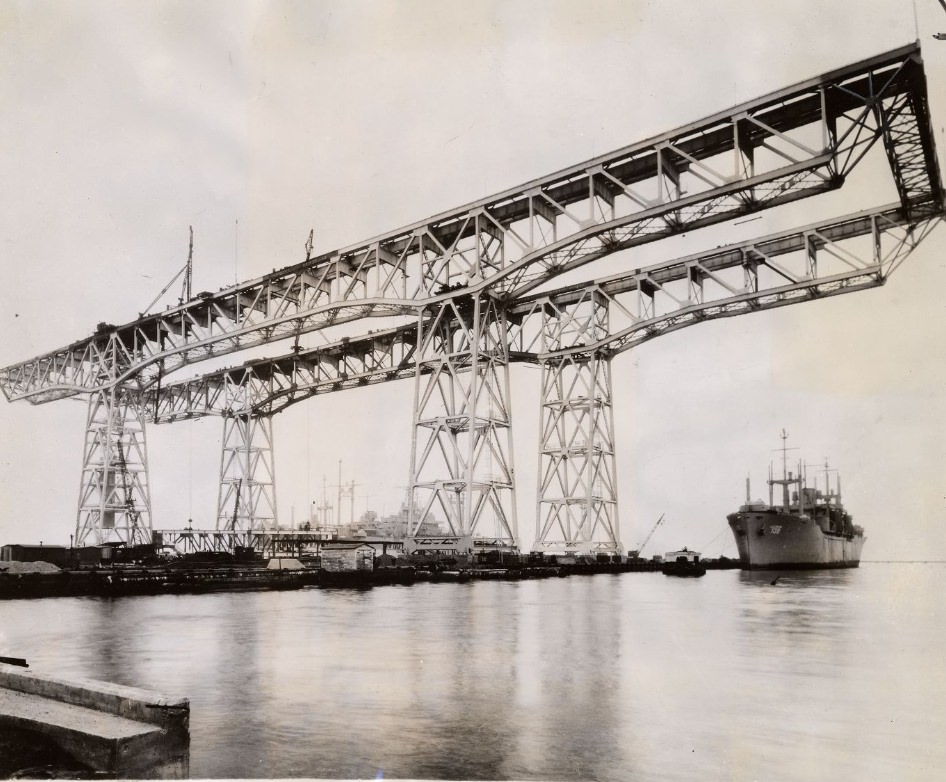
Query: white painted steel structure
[
  {"x": 577, "y": 496},
  {"x": 573, "y": 333},
  {"x": 461, "y": 453},
  {"x": 114, "y": 493},
  {"x": 246, "y": 500},
  {"x": 465, "y": 282}
]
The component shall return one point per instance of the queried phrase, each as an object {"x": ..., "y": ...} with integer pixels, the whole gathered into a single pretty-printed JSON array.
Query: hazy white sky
[{"x": 122, "y": 124}]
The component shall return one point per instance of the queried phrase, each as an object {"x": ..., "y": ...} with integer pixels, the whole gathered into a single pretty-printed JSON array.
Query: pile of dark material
[{"x": 25, "y": 754}]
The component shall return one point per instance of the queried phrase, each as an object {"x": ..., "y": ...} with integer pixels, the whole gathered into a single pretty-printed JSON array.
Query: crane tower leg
[
  {"x": 577, "y": 491},
  {"x": 461, "y": 447},
  {"x": 114, "y": 494},
  {"x": 246, "y": 501}
]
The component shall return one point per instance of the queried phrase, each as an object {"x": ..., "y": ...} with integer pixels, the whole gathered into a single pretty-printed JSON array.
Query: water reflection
[
  {"x": 832, "y": 577},
  {"x": 809, "y": 610},
  {"x": 828, "y": 674},
  {"x": 237, "y": 713},
  {"x": 460, "y": 639},
  {"x": 566, "y": 710},
  {"x": 112, "y": 633}
]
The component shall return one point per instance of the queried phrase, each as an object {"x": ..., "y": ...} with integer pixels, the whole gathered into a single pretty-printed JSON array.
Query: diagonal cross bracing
[
  {"x": 114, "y": 493},
  {"x": 246, "y": 501},
  {"x": 461, "y": 447},
  {"x": 577, "y": 499},
  {"x": 693, "y": 288},
  {"x": 817, "y": 261},
  {"x": 910, "y": 152},
  {"x": 267, "y": 386},
  {"x": 787, "y": 145},
  {"x": 577, "y": 489}
]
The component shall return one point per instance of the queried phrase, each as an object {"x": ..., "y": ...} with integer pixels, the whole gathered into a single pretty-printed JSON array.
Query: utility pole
[{"x": 338, "y": 505}]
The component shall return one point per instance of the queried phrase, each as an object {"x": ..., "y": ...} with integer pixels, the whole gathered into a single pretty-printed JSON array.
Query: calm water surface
[{"x": 833, "y": 675}]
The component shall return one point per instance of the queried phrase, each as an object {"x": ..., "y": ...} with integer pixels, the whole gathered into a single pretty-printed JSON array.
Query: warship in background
[{"x": 810, "y": 529}]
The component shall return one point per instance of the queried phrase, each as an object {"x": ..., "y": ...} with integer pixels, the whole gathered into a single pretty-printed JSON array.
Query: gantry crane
[{"x": 470, "y": 286}]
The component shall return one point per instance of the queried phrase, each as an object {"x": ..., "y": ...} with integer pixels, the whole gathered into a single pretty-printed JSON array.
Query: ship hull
[{"x": 772, "y": 540}]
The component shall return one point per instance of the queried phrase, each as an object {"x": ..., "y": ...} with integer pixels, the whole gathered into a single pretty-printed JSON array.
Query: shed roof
[{"x": 345, "y": 546}]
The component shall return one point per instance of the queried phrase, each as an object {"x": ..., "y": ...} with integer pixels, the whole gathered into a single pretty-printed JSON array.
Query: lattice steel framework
[
  {"x": 825, "y": 259},
  {"x": 857, "y": 251},
  {"x": 461, "y": 448},
  {"x": 267, "y": 386},
  {"x": 790, "y": 144},
  {"x": 189, "y": 541},
  {"x": 114, "y": 495},
  {"x": 467, "y": 274},
  {"x": 246, "y": 501},
  {"x": 577, "y": 490},
  {"x": 577, "y": 502}
]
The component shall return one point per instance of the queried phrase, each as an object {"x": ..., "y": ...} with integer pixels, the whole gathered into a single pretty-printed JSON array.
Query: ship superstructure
[{"x": 809, "y": 529}]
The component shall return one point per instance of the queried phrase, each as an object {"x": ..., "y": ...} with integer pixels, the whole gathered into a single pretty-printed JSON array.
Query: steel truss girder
[
  {"x": 786, "y": 145},
  {"x": 577, "y": 490},
  {"x": 193, "y": 541},
  {"x": 114, "y": 495},
  {"x": 461, "y": 439},
  {"x": 694, "y": 278},
  {"x": 910, "y": 152},
  {"x": 817, "y": 261},
  {"x": 266, "y": 386},
  {"x": 246, "y": 501},
  {"x": 274, "y": 542}
]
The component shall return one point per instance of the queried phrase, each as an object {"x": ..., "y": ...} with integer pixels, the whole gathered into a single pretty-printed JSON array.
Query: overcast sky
[{"x": 123, "y": 124}]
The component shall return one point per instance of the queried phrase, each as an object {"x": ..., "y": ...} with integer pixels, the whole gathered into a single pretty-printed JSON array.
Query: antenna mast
[
  {"x": 189, "y": 274},
  {"x": 786, "y": 475}
]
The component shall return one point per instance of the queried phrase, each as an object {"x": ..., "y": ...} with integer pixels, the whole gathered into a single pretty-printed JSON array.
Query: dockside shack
[{"x": 345, "y": 557}]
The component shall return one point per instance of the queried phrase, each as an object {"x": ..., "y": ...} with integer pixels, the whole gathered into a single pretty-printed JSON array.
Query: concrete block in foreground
[{"x": 116, "y": 730}]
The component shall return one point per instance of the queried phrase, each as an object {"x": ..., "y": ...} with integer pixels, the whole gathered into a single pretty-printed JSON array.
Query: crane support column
[
  {"x": 461, "y": 447},
  {"x": 577, "y": 493},
  {"x": 114, "y": 494},
  {"x": 247, "y": 496}
]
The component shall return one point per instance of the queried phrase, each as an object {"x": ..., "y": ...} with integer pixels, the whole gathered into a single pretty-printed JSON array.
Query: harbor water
[{"x": 821, "y": 675}]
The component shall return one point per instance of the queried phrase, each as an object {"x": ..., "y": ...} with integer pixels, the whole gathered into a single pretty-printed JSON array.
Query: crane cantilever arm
[
  {"x": 650, "y": 534},
  {"x": 510, "y": 243}
]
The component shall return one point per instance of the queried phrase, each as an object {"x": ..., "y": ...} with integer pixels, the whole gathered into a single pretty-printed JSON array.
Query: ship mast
[{"x": 787, "y": 477}]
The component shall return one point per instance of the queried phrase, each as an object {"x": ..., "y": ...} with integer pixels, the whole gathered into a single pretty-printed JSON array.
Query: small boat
[{"x": 683, "y": 563}]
